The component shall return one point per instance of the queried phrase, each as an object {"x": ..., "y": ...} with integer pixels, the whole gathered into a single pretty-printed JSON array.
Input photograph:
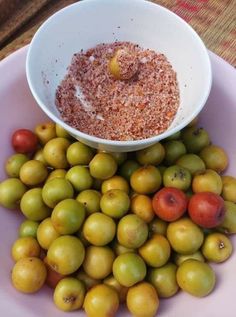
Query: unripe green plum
[{"x": 11, "y": 192}]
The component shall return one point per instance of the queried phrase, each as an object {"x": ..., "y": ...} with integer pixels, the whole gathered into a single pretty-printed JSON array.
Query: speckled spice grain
[{"x": 92, "y": 101}]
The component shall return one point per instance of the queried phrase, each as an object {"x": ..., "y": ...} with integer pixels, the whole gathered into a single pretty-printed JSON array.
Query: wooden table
[{"x": 214, "y": 20}]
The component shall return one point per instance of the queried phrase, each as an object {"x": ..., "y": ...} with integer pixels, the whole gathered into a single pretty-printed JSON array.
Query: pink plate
[{"x": 19, "y": 110}]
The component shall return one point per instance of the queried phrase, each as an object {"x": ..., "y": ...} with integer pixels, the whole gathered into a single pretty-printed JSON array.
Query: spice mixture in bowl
[
  {"x": 138, "y": 105},
  {"x": 149, "y": 80}
]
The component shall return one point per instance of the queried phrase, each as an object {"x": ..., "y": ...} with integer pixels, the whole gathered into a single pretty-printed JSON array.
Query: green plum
[
  {"x": 57, "y": 190},
  {"x": 46, "y": 233},
  {"x": 121, "y": 290},
  {"x": 102, "y": 166},
  {"x": 152, "y": 155},
  {"x": 185, "y": 237},
  {"x": 45, "y": 131},
  {"x": 158, "y": 226},
  {"x": 178, "y": 177},
  {"x": 88, "y": 281},
  {"x": 115, "y": 182},
  {"x": 66, "y": 254},
  {"x": 155, "y": 251},
  {"x": 146, "y": 180},
  {"x": 11, "y": 192},
  {"x": 207, "y": 181},
  {"x": 79, "y": 154},
  {"x": 196, "y": 278},
  {"x": 99, "y": 229},
  {"x": 115, "y": 203},
  {"x": 173, "y": 149},
  {"x": 68, "y": 216},
  {"x": 33, "y": 206},
  {"x": 33, "y": 173},
  {"x": 142, "y": 300},
  {"x": 127, "y": 168},
  {"x": 28, "y": 228},
  {"x": 180, "y": 258},
  {"x": 191, "y": 162},
  {"x": 91, "y": 200},
  {"x": 101, "y": 300},
  {"x": 61, "y": 132},
  {"x": 132, "y": 231},
  {"x": 69, "y": 294},
  {"x": 215, "y": 158},
  {"x": 228, "y": 225},
  {"x": 119, "y": 157},
  {"x": 54, "y": 152},
  {"x": 98, "y": 261},
  {"x": 229, "y": 188},
  {"x": 14, "y": 164},
  {"x": 195, "y": 139},
  {"x": 58, "y": 173},
  {"x": 120, "y": 249},
  {"x": 79, "y": 177},
  {"x": 164, "y": 280},
  {"x": 129, "y": 269},
  {"x": 217, "y": 247},
  {"x": 38, "y": 156}
]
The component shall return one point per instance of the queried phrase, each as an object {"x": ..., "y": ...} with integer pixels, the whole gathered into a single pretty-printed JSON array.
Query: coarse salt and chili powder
[{"x": 91, "y": 100}]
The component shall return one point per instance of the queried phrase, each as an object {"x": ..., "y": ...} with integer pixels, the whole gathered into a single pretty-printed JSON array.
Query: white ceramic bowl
[{"x": 90, "y": 22}]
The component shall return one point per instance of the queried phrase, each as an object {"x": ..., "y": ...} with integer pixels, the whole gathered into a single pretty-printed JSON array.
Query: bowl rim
[{"x": 128, "y": 143}]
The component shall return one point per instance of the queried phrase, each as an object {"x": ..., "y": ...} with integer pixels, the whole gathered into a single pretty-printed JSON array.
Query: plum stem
[{"x": 221, "y": 245}]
